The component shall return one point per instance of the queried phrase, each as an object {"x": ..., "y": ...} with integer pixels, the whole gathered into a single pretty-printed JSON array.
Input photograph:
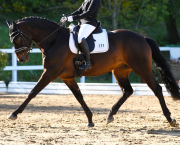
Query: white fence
[
  {"x": 14, "y": 68},
  {"x": 86, "y": 88},
  {"x": 174, "y": 53}
]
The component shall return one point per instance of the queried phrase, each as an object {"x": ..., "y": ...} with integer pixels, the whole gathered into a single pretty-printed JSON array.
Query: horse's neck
[
  {"x": 41, "y": 33},
  {"x": 45, "y": 32},
  {"x": 46, "y": 37}
]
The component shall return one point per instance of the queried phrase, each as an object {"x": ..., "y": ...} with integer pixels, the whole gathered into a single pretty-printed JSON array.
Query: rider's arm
[
  {"x": 95, "y": 4},
  {"x": 79, "y": 11}
]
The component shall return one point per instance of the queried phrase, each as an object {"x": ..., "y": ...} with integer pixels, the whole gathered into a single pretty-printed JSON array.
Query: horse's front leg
[
  {"x": 72, "y": 84},
  {"x": 45, "y": 79}
]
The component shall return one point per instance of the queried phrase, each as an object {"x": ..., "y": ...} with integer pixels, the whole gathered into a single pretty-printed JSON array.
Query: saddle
[
  {"x": 97, "y": 41},
  {"x": 90, "y": 40}
]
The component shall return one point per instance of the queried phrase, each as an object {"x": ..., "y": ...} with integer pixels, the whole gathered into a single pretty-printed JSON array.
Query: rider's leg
[{"x": 84, "y": 32}]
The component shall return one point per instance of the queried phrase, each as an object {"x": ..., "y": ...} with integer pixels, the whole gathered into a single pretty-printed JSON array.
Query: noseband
[{"x": 18, "y": 32}]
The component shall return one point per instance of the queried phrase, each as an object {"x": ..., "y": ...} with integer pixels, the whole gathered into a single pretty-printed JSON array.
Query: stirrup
[{"x": 87, "y": 65}]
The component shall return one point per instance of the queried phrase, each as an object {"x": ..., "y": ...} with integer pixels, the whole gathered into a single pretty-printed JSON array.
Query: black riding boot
[{"x": 85, "y": 49}]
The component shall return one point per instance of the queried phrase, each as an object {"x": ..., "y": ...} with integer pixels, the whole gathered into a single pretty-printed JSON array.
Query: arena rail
[
  {"x": 174, "y": 53},
  {"x": 86, "y": 88}
]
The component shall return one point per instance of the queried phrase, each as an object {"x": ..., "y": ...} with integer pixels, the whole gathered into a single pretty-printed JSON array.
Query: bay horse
[{"x": 127, "y": 51}]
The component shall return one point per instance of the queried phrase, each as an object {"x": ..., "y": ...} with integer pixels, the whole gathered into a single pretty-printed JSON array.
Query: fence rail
[
  {"x": 174, "y": 53},
  {"x": 86, "y": 88},
  {"x": 14, "y": 68}
]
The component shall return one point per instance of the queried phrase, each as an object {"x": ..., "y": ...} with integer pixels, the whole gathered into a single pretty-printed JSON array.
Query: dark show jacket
[{"x": 87, "y": 13}]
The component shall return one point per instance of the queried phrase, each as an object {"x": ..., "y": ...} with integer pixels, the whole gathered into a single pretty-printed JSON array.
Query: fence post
[
  {"x": 14, "y": 64},
  {"x": 82, "y": 80},
  {"x": 113, "y": 79}
]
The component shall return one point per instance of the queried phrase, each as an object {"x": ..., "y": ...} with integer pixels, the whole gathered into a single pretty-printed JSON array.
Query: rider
[{"x": 87, "y": 16}]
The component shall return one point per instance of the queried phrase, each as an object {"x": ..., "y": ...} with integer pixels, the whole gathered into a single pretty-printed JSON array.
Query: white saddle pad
[{"x": 101, "y": 43}]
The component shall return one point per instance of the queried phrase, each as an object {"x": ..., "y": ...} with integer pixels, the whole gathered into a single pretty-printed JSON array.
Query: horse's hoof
[
  {"x": 173, "y": 123},
  {"x": 109, "y": 120},
  {"x": 90, "y": 124},
  {"x": 12, "y": 117}
]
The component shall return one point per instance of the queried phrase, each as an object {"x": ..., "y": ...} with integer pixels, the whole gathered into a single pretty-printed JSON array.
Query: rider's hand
[
  {"x": 63, "y": 19},
  {"x": 70, "y": 18}
]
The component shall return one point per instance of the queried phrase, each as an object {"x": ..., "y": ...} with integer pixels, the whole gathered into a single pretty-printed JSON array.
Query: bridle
[
  {"x": 17, "y": 33},
  {"x": 31, "y": 46}
]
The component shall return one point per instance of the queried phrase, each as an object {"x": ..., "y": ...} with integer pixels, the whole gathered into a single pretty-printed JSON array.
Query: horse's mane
[{"x": 34, "y": 17}]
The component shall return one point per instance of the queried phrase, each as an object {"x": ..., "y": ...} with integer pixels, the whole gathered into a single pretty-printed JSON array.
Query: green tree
[
  {"x": 22, "y": 8},
  {"x": 143, "y": 15},
  {"x": 173, "y": 9},
  {"x": 114, "y": 9},
  {"x": 3, "y": 61}
]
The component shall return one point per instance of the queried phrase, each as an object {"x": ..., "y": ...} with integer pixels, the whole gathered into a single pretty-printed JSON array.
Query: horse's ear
[
  {"x": 14, "y": 26},
  {"x": 8, "y": 23},
  {"x": 14, "y": 23}
]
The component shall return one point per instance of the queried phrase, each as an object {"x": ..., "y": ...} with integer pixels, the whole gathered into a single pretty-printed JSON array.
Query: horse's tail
[{"x": 164, "y": 69}]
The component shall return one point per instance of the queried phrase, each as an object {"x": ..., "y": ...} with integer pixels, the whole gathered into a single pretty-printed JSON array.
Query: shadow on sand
[
  {"x": 61, "y": 109},
  {"x": 173, "y": 132}
]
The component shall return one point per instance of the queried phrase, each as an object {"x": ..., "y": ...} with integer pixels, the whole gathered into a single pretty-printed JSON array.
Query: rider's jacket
[{"x": 87, "y": 13}]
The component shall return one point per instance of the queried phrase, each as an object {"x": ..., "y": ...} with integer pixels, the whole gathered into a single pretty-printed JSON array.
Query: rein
[{"x": 24, "y": 40}]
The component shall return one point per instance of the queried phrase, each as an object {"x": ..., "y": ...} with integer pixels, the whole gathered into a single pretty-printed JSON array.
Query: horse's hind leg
[
  {"x": 148, "y": 77},
  {"x": 121, "y": 75},
  {"x": 157, "y": 89},
  {"x": 72, "y": 84}
]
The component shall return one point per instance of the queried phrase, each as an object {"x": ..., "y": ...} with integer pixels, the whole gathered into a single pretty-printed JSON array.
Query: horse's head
[{"x": 21, "y": 41}]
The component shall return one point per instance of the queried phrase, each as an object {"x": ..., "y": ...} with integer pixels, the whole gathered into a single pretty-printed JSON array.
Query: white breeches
[{"x": 84, "y": 31}]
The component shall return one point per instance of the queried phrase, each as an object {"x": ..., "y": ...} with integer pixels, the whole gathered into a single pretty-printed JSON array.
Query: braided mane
[{"x": 34, "y": 17}]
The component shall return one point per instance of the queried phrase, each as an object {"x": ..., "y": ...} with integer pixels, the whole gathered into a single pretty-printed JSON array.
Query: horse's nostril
[{"x": 21, "y": 60}]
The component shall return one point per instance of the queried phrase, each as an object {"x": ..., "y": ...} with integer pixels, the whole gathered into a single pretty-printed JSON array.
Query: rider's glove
[
  {"x": 70, "y": 18},
  {"x": 63, "y": 19}
]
